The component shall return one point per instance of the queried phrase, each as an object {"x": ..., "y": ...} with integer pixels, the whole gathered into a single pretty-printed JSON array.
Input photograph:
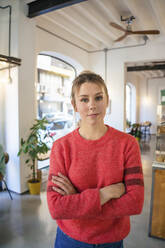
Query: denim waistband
[{"x": 72, "y": 243}]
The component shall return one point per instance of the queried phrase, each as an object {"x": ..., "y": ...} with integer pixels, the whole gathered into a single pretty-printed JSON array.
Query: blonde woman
[{"x": 95, "y": 179}]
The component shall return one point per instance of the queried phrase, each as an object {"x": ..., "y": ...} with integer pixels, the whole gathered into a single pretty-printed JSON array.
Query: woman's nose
[{"x": 92, "y": 105}]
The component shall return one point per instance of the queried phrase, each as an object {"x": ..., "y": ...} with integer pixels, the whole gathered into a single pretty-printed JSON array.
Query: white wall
[
  {"x": 116, "y": 74},
  {"x": 2, "y": 114},
  {"x": 135, "y": 80},
  {"x": 149, "y": 99},
  {"x": 26, "y": 79},
  {"x": 19, "y": 96},
  {"x": 4, "y": 27}
]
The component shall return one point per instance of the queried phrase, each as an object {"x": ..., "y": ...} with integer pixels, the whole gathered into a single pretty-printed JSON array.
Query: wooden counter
[{"x": 157, "y": 212}]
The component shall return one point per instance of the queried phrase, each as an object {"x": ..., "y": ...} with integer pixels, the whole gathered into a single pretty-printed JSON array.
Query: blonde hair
[{"x": 87, "y": 77}]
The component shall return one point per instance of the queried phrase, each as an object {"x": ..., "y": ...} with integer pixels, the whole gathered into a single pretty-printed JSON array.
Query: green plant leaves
[{"x": 33, "y": 145}]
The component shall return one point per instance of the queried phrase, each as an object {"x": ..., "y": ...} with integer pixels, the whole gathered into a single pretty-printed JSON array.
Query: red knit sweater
[{"x": 91, "y": 165}]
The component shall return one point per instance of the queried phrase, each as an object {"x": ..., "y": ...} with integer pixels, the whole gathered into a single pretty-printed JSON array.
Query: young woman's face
[{"x": 91, "y": 103}]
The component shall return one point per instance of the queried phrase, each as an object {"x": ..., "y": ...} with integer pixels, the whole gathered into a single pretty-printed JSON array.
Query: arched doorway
[{"x": 55, "y": 76}]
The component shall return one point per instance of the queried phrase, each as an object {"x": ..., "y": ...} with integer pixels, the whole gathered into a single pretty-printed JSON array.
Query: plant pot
[
  {"x": 34, "y": 187},
  {"x": 137, "y": 138}
]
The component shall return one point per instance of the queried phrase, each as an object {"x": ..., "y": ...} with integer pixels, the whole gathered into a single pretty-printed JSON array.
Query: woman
[{"x": 95, "y": 179}]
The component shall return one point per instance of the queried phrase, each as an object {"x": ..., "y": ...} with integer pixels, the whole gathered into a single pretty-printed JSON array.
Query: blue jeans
[{"x": 64, "y": 241}]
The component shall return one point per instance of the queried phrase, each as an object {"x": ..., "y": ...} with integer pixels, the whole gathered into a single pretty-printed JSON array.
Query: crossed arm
[
  {"x": 116, "y": 200},
  {"x": 65, "y": 187}
]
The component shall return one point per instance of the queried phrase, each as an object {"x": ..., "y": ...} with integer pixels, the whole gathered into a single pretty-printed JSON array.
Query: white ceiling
[
  {"x": 89, "y": 21},
  {"x": 86, "y": 24}
]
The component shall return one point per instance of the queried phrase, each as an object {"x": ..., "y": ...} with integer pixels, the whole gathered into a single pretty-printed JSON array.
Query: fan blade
[
  {"x": 121, "y": 37},
  {"x": 115, "y": 25},
  {"x": 146, "y": 32}
]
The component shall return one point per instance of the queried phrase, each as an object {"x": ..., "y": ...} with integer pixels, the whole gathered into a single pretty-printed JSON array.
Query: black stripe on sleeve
[
  {"x": 135, "y": 181},
  {"x": 133, "y": 170}
]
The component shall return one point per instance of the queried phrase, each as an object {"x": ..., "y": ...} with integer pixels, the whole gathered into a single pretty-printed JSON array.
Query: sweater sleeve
[
  {"x": 131, "y": 203},
  {"x": 82, "y": 205}
]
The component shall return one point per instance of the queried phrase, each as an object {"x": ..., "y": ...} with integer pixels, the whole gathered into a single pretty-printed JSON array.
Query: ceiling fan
[{"x": 128, "y": 30}]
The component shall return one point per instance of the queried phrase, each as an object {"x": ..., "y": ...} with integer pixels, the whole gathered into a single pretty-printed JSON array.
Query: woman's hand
[
  {"x": 111, "y": 192},
  {"x": 65, "y": 187}
]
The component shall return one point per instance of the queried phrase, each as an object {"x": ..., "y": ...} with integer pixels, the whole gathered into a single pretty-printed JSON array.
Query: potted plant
[
  {"x": 32, "y": 147},
  {"x": 136, "y": 131},
  {"x": 128, "y": 123}
]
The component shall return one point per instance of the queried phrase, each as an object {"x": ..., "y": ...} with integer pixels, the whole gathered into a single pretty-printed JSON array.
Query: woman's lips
[{"x": 93, "y": 115}]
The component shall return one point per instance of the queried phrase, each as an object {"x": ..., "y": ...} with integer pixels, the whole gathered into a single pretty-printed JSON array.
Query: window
[
  {"x": 130, "y": 103},
  {"x": 54, "y": 87}
]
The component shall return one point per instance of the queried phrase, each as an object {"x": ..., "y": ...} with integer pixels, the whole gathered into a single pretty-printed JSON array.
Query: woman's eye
[
  {"x": 99, "y": 98},
  {"x": 84, "y": 100}
]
